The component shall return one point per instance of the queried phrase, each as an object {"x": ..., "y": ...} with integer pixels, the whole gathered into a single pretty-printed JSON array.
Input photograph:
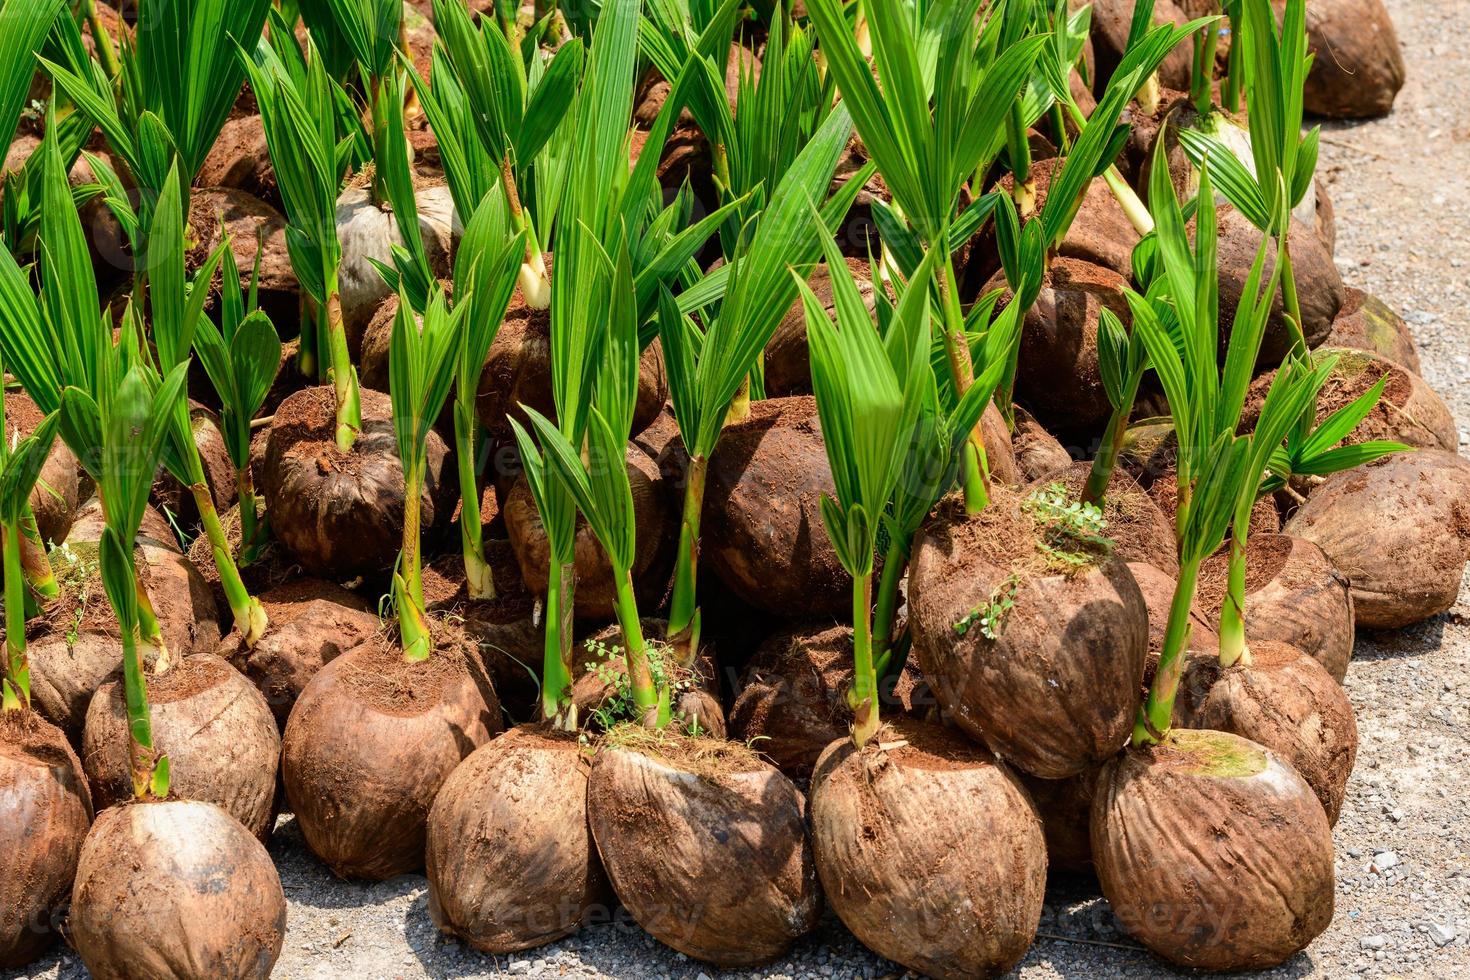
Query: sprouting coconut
[
  {"x": 211, "y": 722},
  {"x": 1398, "y": 530},
  {"x": 1242, "y": 880},
  {"x": 705, "y": 844},
  {"x": 376, "y": 731},
  {"x": 1359, "y": 66},
  {"x": 1366, "y": 323},
  {"x": 1031, "y": 632},
  {"x": 1158, "y": 588},
  {"x": 45, "y": 808},
  {"x": 515, "y": 868},
  {"x": 214, "y": 904}
]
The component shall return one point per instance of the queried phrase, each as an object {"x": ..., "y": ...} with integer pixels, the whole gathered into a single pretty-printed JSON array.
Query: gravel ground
[{"x": 1403, "y": 845}]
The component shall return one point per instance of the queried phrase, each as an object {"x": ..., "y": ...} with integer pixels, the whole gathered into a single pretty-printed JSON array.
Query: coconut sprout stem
[
  {"x": 250, "y": 617},
  {"x": 17, "y": 692},
  {"x": 306, "y": 359},
  {"x": 1149, "y": 95},
  {"x": 479, "y": 582},
  {"x": 556, "y": 668},
  {"x": 408, "y": 580},
  {"x": 535, "y": 288},
  {"x": 1203, "y": 77},
  {"x": 101, "y": 40},
  {"x": 344, "y": 376},
  {"x": 148, "y": 626},
  {"x": 635, "y": 653},
  {"x": 895, "y": 562},
  {"x": 1106, "y": 461},
  {"x": 1233, "y": 644},
  {"x": 150, "y": 778},
  {"x": 1129, "y": 201},
  {"x": 1023, "y": 189},
  {"x": 683, "y": 606},
  {"x": 35, "y": 563},
  {"x": 863, "y": 697},
  {"x": 1289, "y": 294},
  {"x": 962, "y": 370},
  {"x": 251, "y": 536},
  {"x": 1156, "y": 715}
]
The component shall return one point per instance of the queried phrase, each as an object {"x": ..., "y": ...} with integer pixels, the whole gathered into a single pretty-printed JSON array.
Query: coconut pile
[{"x": 727, "y": 462}]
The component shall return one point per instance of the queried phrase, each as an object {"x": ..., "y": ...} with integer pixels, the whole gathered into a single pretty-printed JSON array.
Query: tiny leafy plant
[
  {"x": 990, "y": 616},
  {"x": 1071, "y": 530}
]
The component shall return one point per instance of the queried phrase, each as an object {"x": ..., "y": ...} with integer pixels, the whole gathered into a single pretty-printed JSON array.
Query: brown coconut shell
[
  {"x": 341, "y": 514},
  {"x": 1110, "y": 22},
  {"x": 793, "y": 697},
  {"x": 368, "y": 231},
  {"x": 518, "y": 372},
  {"x": 1367, "y": 323},
  {"x": 54, "y": 499},
  {"x": 788, "y": 366},
  {"x": 1065, "y": 808},
  {"x": 213, "y": 725},
  {"x": 1294, "y": 595},
  {"x": 1241, "y": 879},
  {"x": 154, "y": 532},
  {"x": 705, "y": 845},
  {"x": 929, "y": 850},
  {"x": 1360, "y": 66},
  {"x": 45, "y": 811},
  {"x": 1287, "y": 702},
  {"x": 1138, "y": 529},
  {"x": 1039, "y": 454},
  {"x": 1000, "y": 456},
  {"x": 240, "y": 159},
  {"x": 510, "y": 857},
  {"x": 1058, "y": 378},
  {"x": 857, "y": 236},
  {"x": 1057, "y": 690},
  {"x": 510, "y": 639},
  {"x": 176, "y": 889},
  {"x": 312, "y": 623},
  {"x": 369, "y": 743},
  {"x": 74, "y": 646},
  {"x": 1398, "y": 529},
  {"x": 1408, "y": 411},
  {"x": 596, "y": 593},
  {"x": 251, "y": 224}
]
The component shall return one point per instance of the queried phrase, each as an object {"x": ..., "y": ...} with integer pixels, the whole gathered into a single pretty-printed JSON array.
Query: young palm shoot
[
  {"x": 708, "y": 368},
  {"x": 868, "y": 391},
  {"x": 20, "y": 468},
  {"x": 58, "y": 340},
  {"x": 927, "y": 147},
  {"x": 128, "y": 426},
  {"x": 241, "y": 357},
  {"x": 299, "y": 113},
  {"x": 176, "y": 307},
  {"x": 178, "y": 79},
  {"x": 421, "y": 365}
]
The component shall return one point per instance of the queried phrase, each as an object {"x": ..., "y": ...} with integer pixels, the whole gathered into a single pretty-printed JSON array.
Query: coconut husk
[
  {"x": 1367, "y": 323},
  {"x": 1039, "y": 454},
  {"x": 598, "y": 669},
  {"x": 1398, "y": 529},
  {"x": 44, "y": 815},
  {"x": 1110, "y": 22},
  {"x": 1286, "y": 701},
  {"x": 54, "y": 499},
  {"x": 213, "y": 725},
  {"x": 510, "y": 858},
  {"x": 1065, "y": 808},
  {"x": 175, "y": 889},
  {"x": 1294, "y": 595},
  {"x": 252, "y": 224},
  {"x": 788, "y": 367},
  {"x": 949, "y": 891},
  {"x": 705, "y": 845},
  {"x": 341, "y": 514},
  {"x": 1057, "y": 687},
  {"x": 1243, "y": 880},
  {"x": 1158, "y": 588},
  {"x": 793, "y": 697},
  {"x": 368, "y": 231},
  {"x": 369, "y": 743},
  {"x": 240, "y": 159},
  {"x": 312, "y": 623},
  {"x": 1360, "y": 66}
]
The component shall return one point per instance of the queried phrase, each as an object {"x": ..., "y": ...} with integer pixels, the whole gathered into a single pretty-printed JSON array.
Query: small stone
[
  {"x": 1383, "y": 860},
  {"x": 1442, "y": 934},
  {"x": 520, "y": 966},
  {"x": 1375, "y": 942}
]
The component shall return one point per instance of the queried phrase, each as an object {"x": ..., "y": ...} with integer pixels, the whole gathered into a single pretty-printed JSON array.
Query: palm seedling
[
  {"x": 176, "y": 82},
  {"x": 241, "y": 357},
  {"x": 58, "y": 342},
  {"x": 929, "y": 132},
  {"x": 708, "y": 367},
  {"x": 299, "y": 112},
  {"x": 175, "y": 308}
]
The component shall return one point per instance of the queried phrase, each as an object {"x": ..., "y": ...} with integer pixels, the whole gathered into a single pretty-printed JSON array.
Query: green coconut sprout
[
  {"x": 20, "y": 469},
  {"x": 127, "y": 425},
  {"x": 301, "y": 115}
]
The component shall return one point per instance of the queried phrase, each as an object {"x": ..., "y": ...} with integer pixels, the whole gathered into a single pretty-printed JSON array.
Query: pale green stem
[
  {"x": 1156, "y": 715},
  {"x": 683, "y": 607},
  {"x": 863, "y": 698}
]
